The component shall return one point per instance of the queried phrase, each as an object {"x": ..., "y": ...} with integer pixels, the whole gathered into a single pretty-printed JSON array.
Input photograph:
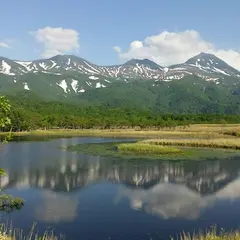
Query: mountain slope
[
  {"x": 204, "y": 83},
  {"x": 203, "y": 64},
  {"x": 208, "y": 67}
]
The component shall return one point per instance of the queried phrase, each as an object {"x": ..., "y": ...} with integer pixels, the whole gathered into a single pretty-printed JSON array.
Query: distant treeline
[{"x": 29, "y": 114}]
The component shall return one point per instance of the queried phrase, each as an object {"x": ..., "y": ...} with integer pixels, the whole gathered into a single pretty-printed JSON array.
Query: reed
[
  {"x": 211, "y": 234},
  {"x": 9, "y": 233}
]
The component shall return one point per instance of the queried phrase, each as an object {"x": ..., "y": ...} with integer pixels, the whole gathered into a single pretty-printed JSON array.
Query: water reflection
[
  {"x": 71, "y": 174},
  {"x": 55, "y": 207},
  {"x": 66, "y": 187}
]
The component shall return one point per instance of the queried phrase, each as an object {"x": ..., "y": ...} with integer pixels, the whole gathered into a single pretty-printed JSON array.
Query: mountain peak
[
  {"x": 146, "y": 62},
  {"x": 202, "y": 56},
  {"x": 65, "y": 57},
  {"x": 210, "y": 63}
]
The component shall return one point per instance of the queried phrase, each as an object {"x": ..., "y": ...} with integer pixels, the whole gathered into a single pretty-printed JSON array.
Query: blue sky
[{"x": 103, "y": 24}]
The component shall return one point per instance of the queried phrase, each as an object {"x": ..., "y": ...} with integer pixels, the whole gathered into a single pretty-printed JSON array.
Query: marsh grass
[
  {"x": 7, "y": 232},
  {"x": 114, "y": 133},
  {"x": 111, "y": 150},
  {"x": 108, "y": 150},
  {"x": 148, "y": 148},
  {"x": 196, "y": 131},
  {"x": 211, "y": 234},
  {"x": 231, "y": 143}
]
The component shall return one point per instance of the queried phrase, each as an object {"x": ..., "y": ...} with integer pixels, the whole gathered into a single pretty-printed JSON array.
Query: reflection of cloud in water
[
  {"x": 167, "y": 201},
  {"x": 57, "y": 207},
  {"x": 177, "y": 201}
]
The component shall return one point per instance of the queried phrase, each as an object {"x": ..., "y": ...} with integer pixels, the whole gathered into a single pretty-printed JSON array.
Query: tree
[
  {"x": 4, "y": 111},
  {"x": 7, "y": 202}
]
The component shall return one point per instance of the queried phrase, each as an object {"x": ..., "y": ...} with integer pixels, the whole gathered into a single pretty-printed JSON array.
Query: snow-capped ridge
[{"x": 205, "y": 65}]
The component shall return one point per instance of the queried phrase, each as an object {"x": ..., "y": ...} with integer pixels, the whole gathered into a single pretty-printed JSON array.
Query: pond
[{"x": 93, "y": 197}]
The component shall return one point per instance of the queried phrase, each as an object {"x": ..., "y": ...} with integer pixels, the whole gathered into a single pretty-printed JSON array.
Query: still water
[{"x": 91, "y": 197}]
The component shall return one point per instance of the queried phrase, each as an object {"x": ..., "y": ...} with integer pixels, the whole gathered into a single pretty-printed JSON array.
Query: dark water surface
[{"x": 90, "y": 197}]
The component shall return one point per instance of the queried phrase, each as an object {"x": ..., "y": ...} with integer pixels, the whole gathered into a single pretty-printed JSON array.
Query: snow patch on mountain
[
  {"x": 99, "y": 85},
  {"x": 221, "y": 71},
  {"x": 43, "y": 65},
  {"x": 26, "y": 86},
  {"x": 63, "y": 85},
  {"x": 6, "y": 69},
  {"x": 25, "y": 65},
  {"x": 53, "y": 64},
  {"x": 93, "y": 68},
  {"x": 74, "y": 85},
  {"x": 93, "y": 78},
  {"x": 52, "y": 73}
]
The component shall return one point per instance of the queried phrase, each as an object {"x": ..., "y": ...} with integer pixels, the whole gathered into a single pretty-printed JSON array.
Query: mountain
[
  {"x": 206, "y": 66},
  {"x": 203, "y": 83},
  {"x": 61, "y": 64}
]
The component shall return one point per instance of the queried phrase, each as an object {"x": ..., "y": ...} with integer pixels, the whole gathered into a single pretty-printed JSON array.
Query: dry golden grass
[
  {"x": 17, "y": 234},
  {"x": 211, "y": 235},
  {"x": 117, "y": 133},
  {"x": 216, "y": 128},
  {"x": 125, "y": 133},
  {"x": 5, "y": 237},
  {"x": 227, "y": 143},
  {"x": 195, "y": 131}
]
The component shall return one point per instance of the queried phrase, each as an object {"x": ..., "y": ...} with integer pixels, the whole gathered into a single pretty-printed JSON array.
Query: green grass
[
  {"x": 147, "y": 148},
  {"x": 224, "y": 143},
  {"x": 111, "y": 150}
]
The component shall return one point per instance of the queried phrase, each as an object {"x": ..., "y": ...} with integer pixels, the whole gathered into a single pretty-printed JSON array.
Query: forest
[{"x": 30, "y": 113}]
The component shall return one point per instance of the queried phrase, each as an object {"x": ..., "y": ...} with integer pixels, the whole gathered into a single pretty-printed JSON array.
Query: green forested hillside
[
  {"x": 190, "y": 95},
  {"x": 31, "y": 112}
]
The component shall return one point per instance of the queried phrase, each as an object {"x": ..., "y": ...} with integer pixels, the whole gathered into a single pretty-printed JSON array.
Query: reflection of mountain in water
[
  {"x": 166, "y": 189},
  {"x": 202, "y": 177}
]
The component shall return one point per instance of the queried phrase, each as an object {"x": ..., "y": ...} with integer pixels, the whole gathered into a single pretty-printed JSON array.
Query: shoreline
[
  {"x": 193, "y": 131},
  {"x": 215, "y": 136}
]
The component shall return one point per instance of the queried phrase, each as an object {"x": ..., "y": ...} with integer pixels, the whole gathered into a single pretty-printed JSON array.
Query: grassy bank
[
  {"x": 192, "y": 131},
  {"x": 116, "y": 133},
  {"x": 112, "y": 150},
  {"x": 148, "y": 148},
  {"x": 231, "y": 143}
]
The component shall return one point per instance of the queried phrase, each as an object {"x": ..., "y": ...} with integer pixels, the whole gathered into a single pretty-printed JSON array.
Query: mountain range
[{"x": 204, "y": 83}]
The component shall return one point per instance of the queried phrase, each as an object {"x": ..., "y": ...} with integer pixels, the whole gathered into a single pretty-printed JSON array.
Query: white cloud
[
  {"x": 57, "y": 40},
  {"x": 4, "y": 45},
  {"x": 117, "y": 49},
  {"x": 169, "y": 48}
]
